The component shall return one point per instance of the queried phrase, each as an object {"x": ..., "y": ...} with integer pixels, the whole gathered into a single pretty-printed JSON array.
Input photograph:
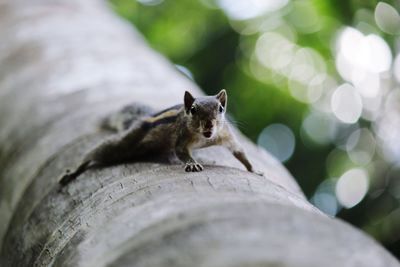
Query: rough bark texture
[{"x": 66, "y": 63}]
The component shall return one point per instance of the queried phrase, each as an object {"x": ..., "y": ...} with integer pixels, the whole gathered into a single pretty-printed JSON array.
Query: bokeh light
[
  {"x": 346, "y": 104},
  {"x": 352, "y": 187},
  {"x": 247, "y": 9},
  {"x": 387, "y": 18},
  {"x": 361, "y": 146},
  {"x": 305, "y": 19},
  {"x": 319, "y": 128},
  {"x": 388, "y": 127},
  {"x": 324, "y": 197},
  {"x": 361, "y": 54},
  {"x": 279, "y": 140},
  {"x": 275, "y": 51}
]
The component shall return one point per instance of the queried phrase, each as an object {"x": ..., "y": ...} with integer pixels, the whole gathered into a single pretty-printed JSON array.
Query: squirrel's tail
[{"x": 124, "y": 118}]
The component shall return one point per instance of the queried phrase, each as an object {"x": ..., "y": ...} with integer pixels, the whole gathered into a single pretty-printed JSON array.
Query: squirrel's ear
[
  {"x": 222, "y": 97},
  {"x": 188, "y": 100}
]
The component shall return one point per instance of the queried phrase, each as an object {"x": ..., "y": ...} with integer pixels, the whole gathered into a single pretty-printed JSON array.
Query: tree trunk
[{"x": 64, "y": 64}]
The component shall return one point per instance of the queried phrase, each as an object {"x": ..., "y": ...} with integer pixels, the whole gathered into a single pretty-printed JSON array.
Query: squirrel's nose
[{"x": 208, "y": 124}]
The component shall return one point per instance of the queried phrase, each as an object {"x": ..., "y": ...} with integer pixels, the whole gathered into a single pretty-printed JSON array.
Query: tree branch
[{"x": 64, "y": 65}]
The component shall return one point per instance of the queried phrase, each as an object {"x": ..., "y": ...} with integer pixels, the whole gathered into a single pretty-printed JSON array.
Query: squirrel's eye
[
  {"x": 193, "y": 110},
  {"x": 221, "y": 109}
]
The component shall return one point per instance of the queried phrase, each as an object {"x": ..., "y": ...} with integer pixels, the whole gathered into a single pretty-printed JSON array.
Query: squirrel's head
[{"x": 206, "y": 114}]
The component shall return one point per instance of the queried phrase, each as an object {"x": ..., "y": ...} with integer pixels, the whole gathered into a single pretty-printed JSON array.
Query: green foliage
[
  {"x": 270, "y": 104},
  {"x": 175, "y": 28}
]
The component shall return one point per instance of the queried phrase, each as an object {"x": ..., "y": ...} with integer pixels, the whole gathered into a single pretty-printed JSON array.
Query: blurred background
[{"x": 315, "y": 82}]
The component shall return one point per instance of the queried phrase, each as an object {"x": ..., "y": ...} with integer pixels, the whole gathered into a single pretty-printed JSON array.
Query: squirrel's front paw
[{"x": 193, "y": 167}]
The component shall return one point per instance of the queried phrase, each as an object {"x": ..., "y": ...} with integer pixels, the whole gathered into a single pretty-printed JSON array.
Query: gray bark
[{"x": 66, "y": 63}]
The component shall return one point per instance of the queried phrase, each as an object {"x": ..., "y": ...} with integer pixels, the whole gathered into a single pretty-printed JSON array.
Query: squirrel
[{"x": 198, "y": 122}]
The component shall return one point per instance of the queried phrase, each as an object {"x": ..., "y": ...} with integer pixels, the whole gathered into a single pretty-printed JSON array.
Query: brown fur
[{"x": 199, "y": 122}]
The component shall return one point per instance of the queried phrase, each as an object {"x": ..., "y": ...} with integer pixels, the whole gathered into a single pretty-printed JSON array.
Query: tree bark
[{"x": 67, "y": 63}]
